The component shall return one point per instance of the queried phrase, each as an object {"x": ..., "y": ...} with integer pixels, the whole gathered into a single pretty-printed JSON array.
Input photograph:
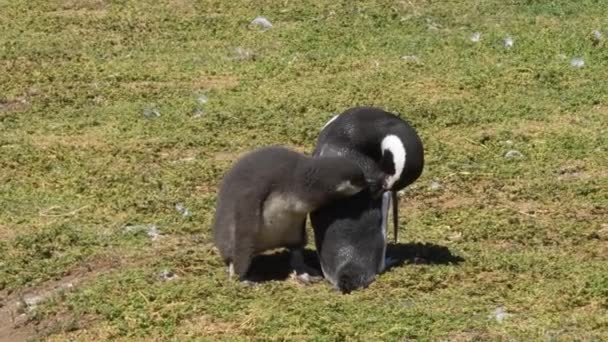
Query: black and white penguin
[
  {"x": 265, "y": 197},
  {"x": 386, "y": 147},
  {"x": 351, "y": 233}
]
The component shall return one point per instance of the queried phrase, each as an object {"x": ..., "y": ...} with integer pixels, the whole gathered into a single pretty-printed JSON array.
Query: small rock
[
  {"x": 261, "y": 23},
  {"x": 31, "y": 301},
  {"x": 476, "y": 37},
  {"x": 577, "y": 62},
  {"x": 455, "y": 236},
  {"x": 167, "y": 275},
  {"x": 507, "y": 42},
  {"x": 151, "y": 112},
  {"x": 597, "y": 36},
  {"x": 182, "y": 209},
  {"x": 198, "y": 112},
  {"x": 411, "y": 59},
  {"x": 151, "y": 230},
  {"x": 242, "y": 54},
  {"x": 431, "y": 25},
  {"x": 500, "y": 314},
  {"x": 202, "y": 99},
  {"x": 512, "y": 154},
  {"x": 435, "y": 185}
]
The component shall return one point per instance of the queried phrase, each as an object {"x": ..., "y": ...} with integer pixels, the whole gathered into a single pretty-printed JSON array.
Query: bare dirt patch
[
  {"x": 15, "y": 321},
  {"x": 75, "y": 8},
  {"x": 80, "y": 141},
  {"x": 7, "y": 232},
  {"x": 19, "y": 104}
]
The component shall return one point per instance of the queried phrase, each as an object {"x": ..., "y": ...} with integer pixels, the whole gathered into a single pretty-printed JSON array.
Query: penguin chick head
[{"x": 335, "y": 176}]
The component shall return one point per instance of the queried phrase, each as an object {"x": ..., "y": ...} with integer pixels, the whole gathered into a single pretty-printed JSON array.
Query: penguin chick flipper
[
  {"x": 302, "y": 272},
  {"x": 247, "y": 226}
]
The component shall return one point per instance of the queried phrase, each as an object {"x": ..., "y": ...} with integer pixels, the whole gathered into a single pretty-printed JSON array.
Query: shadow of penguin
[
  {"x": 276, "y": 266},
  {"x": 421, "y": 253}
]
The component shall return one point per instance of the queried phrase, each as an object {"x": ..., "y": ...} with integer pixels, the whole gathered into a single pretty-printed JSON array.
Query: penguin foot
[
  {"x": 306, "y": 278},
  {"x": 249, "y": 283},
  {"x": 301, "y": 269}
]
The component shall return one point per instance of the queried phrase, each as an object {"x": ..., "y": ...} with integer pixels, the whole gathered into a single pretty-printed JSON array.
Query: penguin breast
[{"x": 282, "y": 215}]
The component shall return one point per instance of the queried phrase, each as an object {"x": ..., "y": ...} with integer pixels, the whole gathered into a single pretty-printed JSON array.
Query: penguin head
[
  {"x": 402, "y": 157},
  {"x": 393, "y": 160}
]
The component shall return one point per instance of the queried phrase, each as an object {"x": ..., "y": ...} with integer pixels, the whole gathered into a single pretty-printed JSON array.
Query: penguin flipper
[{"x": 248, "y": 223}]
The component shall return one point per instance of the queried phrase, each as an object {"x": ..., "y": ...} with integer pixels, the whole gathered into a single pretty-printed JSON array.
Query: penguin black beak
[
  {"x": 395, "y": 214},
  {"x": 376, "y": 188},
  {"x": 386, "y": 206}
]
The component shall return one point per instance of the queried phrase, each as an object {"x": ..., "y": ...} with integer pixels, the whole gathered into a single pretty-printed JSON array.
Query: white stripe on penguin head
[
  {"x": 330, "y": 121},
  {"x": 393, "y": 144}
]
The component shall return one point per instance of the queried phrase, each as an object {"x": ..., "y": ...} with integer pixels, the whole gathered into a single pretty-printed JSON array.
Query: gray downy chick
[{"x": 265, "y": 197}]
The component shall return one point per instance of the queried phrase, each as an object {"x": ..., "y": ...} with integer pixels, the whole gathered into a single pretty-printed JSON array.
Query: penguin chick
[{"x": 265, "y": 197}]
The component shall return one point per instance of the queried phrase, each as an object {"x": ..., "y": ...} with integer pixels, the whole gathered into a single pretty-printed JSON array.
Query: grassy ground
[{"x": 495, "y": 248}]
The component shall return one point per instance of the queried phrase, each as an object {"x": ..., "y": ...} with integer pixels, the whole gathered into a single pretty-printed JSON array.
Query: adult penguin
[{"x": 386, "y": 147}]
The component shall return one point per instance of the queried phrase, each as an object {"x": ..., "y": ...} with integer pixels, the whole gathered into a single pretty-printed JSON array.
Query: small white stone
[
  {"x": 262, "y": 23},
  {"x": 435, "y": 185},
  {"x": 411, "y": 59},
  {"x": 202, "y": 99},
  {"x": 476, "y": 37},
  {"x": 507, "y": 42},
  {"x": 151, "y": 112},
  {"x": 182, "y": 209},
  {"x": 577, "y": 62},
  {"x": 167, "y": 275},
  {"x": 152, "y": 232},
  {"x": 242, "y": 54},
  {"x": 512, "y": 154},
  {"x": 32, "y": 300},
  {"x": 597, "y": 35},
  {"x": 500, "y": 314}
]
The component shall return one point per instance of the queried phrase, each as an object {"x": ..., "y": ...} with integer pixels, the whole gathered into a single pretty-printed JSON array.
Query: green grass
[{"x": 79, "y": 162}]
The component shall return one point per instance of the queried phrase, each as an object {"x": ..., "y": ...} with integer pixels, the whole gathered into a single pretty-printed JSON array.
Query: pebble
[
  {"x": 577, "y": 62},
  {"x": 513, "y": 154},
  {"x": 182, "y": 210},
  {"x": 261, "y": 23}
]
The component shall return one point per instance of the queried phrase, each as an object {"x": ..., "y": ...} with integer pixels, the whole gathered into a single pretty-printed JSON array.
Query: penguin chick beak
[{"x": 375, "y": 188}]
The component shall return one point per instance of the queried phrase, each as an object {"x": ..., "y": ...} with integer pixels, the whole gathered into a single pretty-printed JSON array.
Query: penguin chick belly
[{"x": 283, "y": 215}]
